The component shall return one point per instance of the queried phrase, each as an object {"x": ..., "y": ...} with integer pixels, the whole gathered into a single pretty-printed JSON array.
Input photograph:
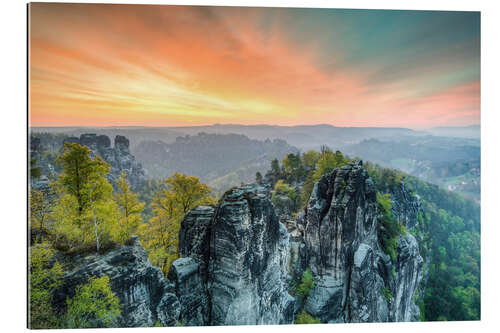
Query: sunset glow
[{"x": 137, "y": 65}]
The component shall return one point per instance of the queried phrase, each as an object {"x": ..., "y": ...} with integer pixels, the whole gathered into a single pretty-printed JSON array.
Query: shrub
[
  {"x": 387, "y": 294},
  {"x": 307, "y": 283},
  {"x": 94, "y": 305},
  {"x": 43, "y": 280},
  {"x": 305, "y": 318},
  {"x": 389, "y": 229}
]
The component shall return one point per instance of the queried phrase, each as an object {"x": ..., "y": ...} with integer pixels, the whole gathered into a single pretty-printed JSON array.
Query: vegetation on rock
[
  {"x": 305, "y": 318},
  {"x": 94, "y": 305},
  {"x": 306, "y": 285}
]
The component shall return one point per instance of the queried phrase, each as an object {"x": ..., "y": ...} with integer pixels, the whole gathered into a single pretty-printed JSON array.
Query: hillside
[
  {"x": 221, "y": 160},
  {"x": 320, "y": 238},
  {"x": 452, "y": 163}
]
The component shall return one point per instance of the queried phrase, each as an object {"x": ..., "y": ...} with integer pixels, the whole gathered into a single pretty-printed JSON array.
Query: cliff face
[
  {"x": 354, "y": 279},
  {"x": 118, "y": 156},
  {"x": 238, "y": 261},
  {"x": 145, "y": 294},
  {"x": 240, "y": 252}
]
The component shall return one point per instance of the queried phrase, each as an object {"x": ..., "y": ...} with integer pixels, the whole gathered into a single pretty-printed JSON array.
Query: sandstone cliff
[
  {"x": 239, "y": 263},
  {"x": 239, "y": 252},
  {"x": 354, "y": 280},
  {"x": 118, "y": 156},
  {"x": 146, "y": 296}
]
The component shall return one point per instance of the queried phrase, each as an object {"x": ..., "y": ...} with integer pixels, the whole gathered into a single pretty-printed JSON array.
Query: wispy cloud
[{"x": 170, "y": 65}]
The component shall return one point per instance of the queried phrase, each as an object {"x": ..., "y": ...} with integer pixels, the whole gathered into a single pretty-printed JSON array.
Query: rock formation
[
  {"x": 238, "y": 262},
  {"x": 146, "y": 296},
  {"x": 354, "y": 280},
  {"x": 118, "y": 157},
  {"x": 240, "y": 250}
]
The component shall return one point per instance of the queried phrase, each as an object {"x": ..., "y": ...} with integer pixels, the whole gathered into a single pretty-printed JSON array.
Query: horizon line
[{"x": 252, "y": 125}]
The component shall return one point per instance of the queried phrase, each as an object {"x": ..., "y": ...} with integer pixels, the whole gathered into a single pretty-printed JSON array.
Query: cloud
[{"x": 175, "y": 65}]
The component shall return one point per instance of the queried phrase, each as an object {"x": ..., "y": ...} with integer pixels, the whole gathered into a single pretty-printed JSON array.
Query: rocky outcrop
[
  {"x": 240, "y": 250},
  {"x": 409, "y": 273},
  {"x": 405, "y": 206},
  {"x": 118, "y": 157},
  {"x": 146, "y": 296},
  {"x": 354, "y": 279},
  {"x": 238, "y": 262}
]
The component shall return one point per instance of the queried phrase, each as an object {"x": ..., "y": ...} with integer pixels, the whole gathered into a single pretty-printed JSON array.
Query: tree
[
  {"x": 43, "y": 280},
  {"x": 94, "y": 305},
  {"x": 129, "y": 208},
  {"x": 283, "y": 189},
  {"x": 389, "y": 229},
  {"x": 188, "y": 190},
  {"x": 104, "y": 215},
  {"x": 293, "y": 166},
  {"x": 66, "y": 233},
  {"x": 275, "y": 167},
  {"x": 307, "y": 189},
  {"x": 40, "y": 208},
  {"x": 35, "y": 172},
  {"x": 159, "y": 237},
  {"x": 258, "y": 177},
  {"x": 83, "y": 177},
  {"x": 180, "y": 193},
  {"x": 305, "y": 318},
  {"x": 328, "y": 161},
  {"x": 306, "y": 285},
  {"x": 310, "y": 159}
]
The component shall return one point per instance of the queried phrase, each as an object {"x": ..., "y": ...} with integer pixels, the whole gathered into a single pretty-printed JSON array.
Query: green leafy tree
[
  {"x": 40, "y": 209},
  {"x": 258, "y": 177},
  {"x": 310, "y": 159},
  {"x": 389, "y": 229},
  {"x": 188, "y": 190},
  {"x": 129, "y": 208},
  {"x": 67, "y": 234},
  {"x": 43, "y": 280},
  {"x": 160, "y": 236},
  {"x": 293, "y": 166},
  {"x": 306, "y": 284},
  {"x": 328, "y": 161},
  {"x": 307, "y": 189},
  {"x": 94, "y": 305},
  {"x": 283, "y": 189},
  {"x": 275, "y": 167},
  {"x": 305, "y": 318},
  {"x": 35, "y": 172},
  {"x": 83, "y": 177}
]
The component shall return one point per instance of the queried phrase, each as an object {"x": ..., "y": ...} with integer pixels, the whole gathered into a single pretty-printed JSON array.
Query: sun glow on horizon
[{"x": 144, "y": 65}]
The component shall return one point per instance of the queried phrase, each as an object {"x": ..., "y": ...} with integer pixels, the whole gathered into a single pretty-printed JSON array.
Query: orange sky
[{"x": 118, "y": 65}]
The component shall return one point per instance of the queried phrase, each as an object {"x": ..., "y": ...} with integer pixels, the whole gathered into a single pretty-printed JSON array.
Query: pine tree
[{"x": 258, "y": 177}]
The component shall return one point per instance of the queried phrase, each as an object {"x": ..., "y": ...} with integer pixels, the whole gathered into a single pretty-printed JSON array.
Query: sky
[{"x": 159, "y": 65}]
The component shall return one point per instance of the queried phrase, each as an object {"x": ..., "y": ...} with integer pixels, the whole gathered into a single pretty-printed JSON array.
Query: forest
[
  {"x": 81, "y": 212},
  {"x": 448, "y": 231}
]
